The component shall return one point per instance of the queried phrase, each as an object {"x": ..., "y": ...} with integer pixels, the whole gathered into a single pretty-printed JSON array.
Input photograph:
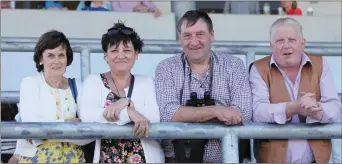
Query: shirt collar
[
  {"x": 212, "y": 57},
  {"x": 305, "y": 59}
]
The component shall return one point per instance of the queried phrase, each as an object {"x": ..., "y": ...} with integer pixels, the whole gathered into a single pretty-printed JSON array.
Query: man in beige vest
[{"x": 291, "y": 86}]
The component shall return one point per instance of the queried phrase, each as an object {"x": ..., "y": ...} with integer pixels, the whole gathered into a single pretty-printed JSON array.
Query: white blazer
[
  {"x": 37, "y": 104},
  {"x": 143, "y": 96}
]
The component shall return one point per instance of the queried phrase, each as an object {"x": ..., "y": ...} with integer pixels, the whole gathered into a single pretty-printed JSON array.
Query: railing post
[
  {"x": 180, "y": 8},
  {"x": 250, "y": 57},
  {"x": 85, "y": 63},
  {"x": 253, "y": 160},
  {"x": 230, "y": 149}
]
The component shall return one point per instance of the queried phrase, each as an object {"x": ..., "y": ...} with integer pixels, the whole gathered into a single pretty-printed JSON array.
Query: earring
[{"x": 40, "y": 63}]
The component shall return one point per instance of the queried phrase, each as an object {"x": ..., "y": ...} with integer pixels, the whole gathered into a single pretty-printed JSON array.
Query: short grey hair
[{"x": 286, "y": 21}]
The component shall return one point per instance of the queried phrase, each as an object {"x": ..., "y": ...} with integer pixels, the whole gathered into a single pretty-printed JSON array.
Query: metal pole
[
  {"x": 9, "y": 97},
  {"x": 62, "y": 130},
  {"x": 180, "y": 8},
  {"x": 85, "y": 63},
  {"x": 230, "y": 149},
  {"x": 172, "y": 47},
  {"x": 250, "y": 57},
  {"x": 253, "y": 160},
  {"x": 226, "y": 8}
]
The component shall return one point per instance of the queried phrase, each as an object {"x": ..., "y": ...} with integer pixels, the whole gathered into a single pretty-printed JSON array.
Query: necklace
[{"x": 114, "y": 84}]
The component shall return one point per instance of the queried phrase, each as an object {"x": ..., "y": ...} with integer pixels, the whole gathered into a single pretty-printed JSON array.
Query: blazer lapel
[{"x": 47, "y": 101}]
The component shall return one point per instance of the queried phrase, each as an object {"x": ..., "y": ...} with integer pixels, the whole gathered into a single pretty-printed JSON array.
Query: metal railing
[
  {"x": 86, "y": 47},
  {"x": 229, "y": 135},
  {"x": 10, "y": 97}
]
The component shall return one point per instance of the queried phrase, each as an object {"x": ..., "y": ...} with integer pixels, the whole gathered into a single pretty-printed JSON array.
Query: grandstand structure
[{"x": 245, "y": 36}]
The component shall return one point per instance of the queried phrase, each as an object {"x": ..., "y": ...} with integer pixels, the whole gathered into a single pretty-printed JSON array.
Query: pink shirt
[
  {"x": 130, "y": 5},
  {"x": 299, "y": 150}
]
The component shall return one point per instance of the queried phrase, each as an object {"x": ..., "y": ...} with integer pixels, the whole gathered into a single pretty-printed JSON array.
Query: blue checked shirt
[{"x": 230, "y": 88}]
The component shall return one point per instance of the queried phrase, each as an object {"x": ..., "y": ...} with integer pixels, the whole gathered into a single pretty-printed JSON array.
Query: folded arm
[{"x": 91, "y": 107}]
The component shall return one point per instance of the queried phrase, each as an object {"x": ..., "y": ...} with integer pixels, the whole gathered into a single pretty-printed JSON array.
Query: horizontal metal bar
[
  {"x": 15, "y": 130},
  {"x": 9, "y": 97},
  {"x": 172, "y": 47},
  {"x": 98, "y": 41}
]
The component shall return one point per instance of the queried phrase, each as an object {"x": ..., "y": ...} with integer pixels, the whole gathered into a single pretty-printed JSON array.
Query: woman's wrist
[
  {"x": 130, "y": 112},
  {"x": 129, "y": 101}
]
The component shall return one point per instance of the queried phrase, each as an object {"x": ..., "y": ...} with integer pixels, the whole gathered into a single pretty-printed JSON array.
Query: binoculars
[{"x": 195, "y": 102}]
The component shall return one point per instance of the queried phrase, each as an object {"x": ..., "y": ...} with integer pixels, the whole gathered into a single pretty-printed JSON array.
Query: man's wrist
[
  {"x": 214, "y": 110},
  {"x": 217, "y": 110},
  {"x": 319, "y": 115},
  {"x": 290, "y": 109}
]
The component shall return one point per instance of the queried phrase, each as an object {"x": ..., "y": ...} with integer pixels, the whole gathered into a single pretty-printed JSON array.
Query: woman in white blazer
[
  {"x": 50, "y": 97},
  {"x": 119, "y": 97}
]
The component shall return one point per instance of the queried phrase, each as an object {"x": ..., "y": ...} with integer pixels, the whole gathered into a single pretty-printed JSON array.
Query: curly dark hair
[
  {"x": 122, "y": 34},
  {"x": 51, "y": 40}
]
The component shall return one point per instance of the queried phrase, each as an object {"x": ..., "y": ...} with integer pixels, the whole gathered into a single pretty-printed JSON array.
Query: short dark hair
[
  {"x": 192, "y": 16},
  {"x": 51, "y": 40},
  {"x": 109, "y": 40}
]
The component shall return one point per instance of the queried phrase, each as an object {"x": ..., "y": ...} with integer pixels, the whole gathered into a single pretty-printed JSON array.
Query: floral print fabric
[
  {"x": 119, "y": 151},
  {"x": 59, "y": 152}
]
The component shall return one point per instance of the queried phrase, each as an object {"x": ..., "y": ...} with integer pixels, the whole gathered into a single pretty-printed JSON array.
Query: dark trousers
[
  {"x": 88, "y": 151},
  {"x": 244, "y": 151},
  {"x": 5, "y": 157}
]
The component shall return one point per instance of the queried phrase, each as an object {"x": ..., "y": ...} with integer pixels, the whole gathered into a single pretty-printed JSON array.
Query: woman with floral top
[
  {"x": 119, "y": 97},
  {"x": 50, "y": 97}
]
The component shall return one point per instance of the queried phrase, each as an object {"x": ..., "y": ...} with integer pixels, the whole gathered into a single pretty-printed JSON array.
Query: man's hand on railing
[
  {"x": 310, "y": 106},
  {"x": 305, "y": 105},
  {"x": 228, "y": 115}
]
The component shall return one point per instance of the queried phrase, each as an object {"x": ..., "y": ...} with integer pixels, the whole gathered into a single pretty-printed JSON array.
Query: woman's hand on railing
[
  {"x": 112, "y": 112},
  {"x": 141, "y": 123}
]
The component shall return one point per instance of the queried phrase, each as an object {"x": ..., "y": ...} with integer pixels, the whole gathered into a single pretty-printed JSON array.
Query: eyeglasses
[{"x": 126, "y": 31}]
